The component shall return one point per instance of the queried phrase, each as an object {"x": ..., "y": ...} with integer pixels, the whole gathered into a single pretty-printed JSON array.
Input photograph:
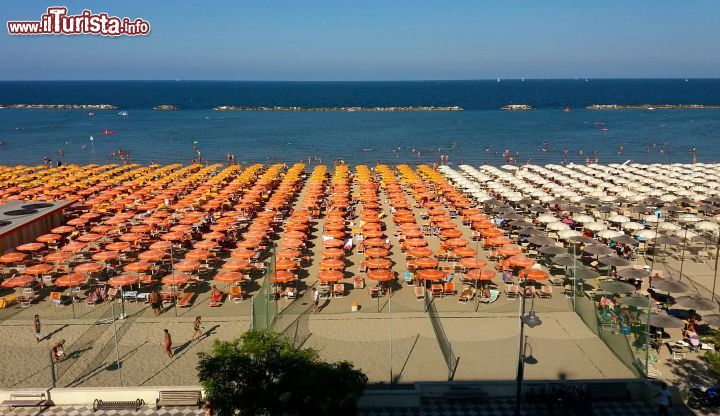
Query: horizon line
[{"x": 378, "y": 80}]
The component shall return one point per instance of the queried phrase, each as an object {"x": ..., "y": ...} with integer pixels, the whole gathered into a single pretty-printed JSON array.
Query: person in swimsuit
[
  {"x": 168, "y": 343},
  {"x": 198, "y": 331}
]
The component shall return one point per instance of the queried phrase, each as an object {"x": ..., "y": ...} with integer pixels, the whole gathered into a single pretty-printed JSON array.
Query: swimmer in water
[{"x": 621, "y": 149}]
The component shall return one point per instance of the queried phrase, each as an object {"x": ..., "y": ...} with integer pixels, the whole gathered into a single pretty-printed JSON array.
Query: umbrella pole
[
  {"x": 391, "y": 339},
  {"x": 657, "y": 229},
  {"x": 647, "y": 336},
  {"x": 122, "y": 303},
  {"x": 117, "y": 350},
  {"x": 717, "y": 252},
  {"x": 574, "y": 277},
  {"x": 72, "y": 301},
  {"x": 682, "y": 255}
]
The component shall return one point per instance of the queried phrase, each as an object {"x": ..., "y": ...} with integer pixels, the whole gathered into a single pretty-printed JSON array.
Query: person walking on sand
[
  {"x": 198, "y": 330},
  {"x": 38, "y": 334},
  {"x": 168, "y": 343},
  {"x": 316, "y": 301}
]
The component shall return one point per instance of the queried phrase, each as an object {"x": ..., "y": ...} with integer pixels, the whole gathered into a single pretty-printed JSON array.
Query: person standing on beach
[
  {"x": 316, "y": 301},
  {"x": 168, "y": 343},
  {"x": 38, "y": 334},
  {"x": 198, "y": 330},
  {"x": 155, "y": 302}
]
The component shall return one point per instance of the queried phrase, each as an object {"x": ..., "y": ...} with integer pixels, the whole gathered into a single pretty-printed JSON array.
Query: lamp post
[{"x": 531, "y": 320}]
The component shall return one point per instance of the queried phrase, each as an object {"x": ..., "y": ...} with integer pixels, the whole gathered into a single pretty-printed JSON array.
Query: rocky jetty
[
  {"x": 649, "y": 106},
  {"x": 348, "y": 109},
  {"x": 166, "y": 107},
  {"x": 62, "y": 106},
  {"x": 517, "y": 107}
]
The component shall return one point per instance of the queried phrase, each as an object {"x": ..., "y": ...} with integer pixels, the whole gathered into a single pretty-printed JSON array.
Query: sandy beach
[{"x": 391, "y": 337}]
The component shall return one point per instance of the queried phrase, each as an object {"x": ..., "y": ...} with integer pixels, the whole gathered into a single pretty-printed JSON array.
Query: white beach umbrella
[
  {"x": 646, "y": 234},
  {"x": 565, "y": 234},
  {"x": 632, "y": 226},
  {"x": 546, "y": 218},
  {"x": 668, "y": 226},
  {"x": 651, "y": 218},
  {"x": 706, "y": 226},
  {"x": 618, "y": 219},
  {"x": 583, "y": 218},
  {"x": 608, "y": 234},
  {"x": 557, "y": 226},
  {"x": 595, "y": 226},
  {"x": 688, "y": 218}
]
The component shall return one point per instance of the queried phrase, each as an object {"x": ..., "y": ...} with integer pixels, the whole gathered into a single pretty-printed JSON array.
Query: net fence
[
  {"x": 451, "y": 361},
  {"x": 264, "y": 307}
]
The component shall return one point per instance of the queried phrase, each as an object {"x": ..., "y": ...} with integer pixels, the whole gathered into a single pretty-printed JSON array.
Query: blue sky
[{"x": 375, "y": 40}]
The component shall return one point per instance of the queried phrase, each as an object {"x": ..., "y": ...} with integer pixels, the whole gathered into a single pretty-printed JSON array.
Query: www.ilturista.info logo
[{"x": 57, "y": 22}]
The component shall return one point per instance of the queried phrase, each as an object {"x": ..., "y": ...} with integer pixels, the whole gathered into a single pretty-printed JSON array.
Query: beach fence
[
  {"x": 293, "y": 321},
  {"x": 263, "y": 306},
  {"x": 627, "y": 340},
  {"x": 451, "y": 361}
]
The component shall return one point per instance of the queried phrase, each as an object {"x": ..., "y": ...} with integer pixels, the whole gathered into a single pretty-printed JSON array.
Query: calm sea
[{"x": 477, "y": 135}]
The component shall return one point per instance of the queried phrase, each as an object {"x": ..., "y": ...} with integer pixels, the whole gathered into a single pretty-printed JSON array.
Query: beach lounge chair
[
  {"x": 130, "y": 296},
  {"x": 467, "y": 294},
  {"x": 358, "y": 282},
  {"x": 324, "y": 291},
  {"x": 57, "y": 299},
  {"x": 408, "y": 277},
  {"x": 7, "y": 301},
  {"x": 374, "y": 292},
  {"x": 112, "y": 293},
  {"x": 186, "y": 299},
  {"x": 167, "y": 297},
  {"x": 436, "y": 291},
  {"x": 338, "y": 290},
  {"x": 449, "y": 289},
  {"x": 511, "y": 291},
  {"x": 290, "y": 293},
  {"x": 493, "y": 296},
  {"x": 419, "y": 293},
  {"x": 545, "y": 292},
  {"x": 235, "y": 293}
]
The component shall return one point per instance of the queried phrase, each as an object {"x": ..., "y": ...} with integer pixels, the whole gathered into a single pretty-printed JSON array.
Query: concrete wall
[
  {"x": 84, "y": 396},
  {"x": 639, "y": 390}
]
